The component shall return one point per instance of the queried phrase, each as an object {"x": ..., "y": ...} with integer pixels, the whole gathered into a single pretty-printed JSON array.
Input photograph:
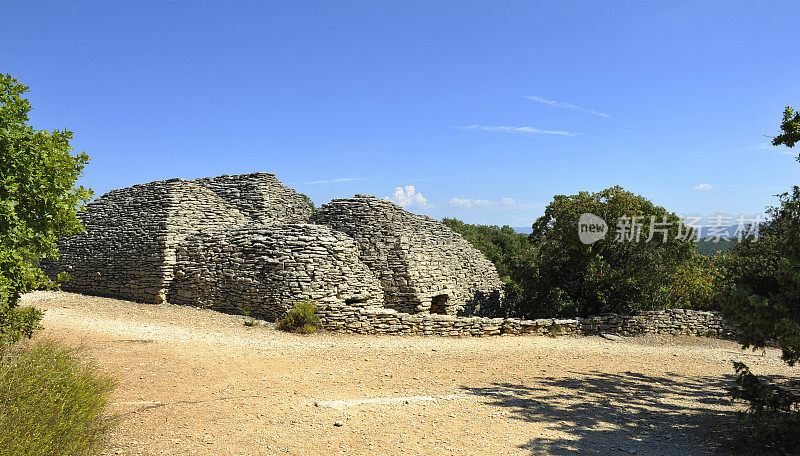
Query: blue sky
[{"x": 476, "y": 110}]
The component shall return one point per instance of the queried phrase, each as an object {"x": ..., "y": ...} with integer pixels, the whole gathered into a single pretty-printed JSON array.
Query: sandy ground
[{"x": 197, "y": 382}]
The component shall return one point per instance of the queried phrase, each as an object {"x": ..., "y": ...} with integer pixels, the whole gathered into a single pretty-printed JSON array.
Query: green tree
[
  {"x": 569, "y": 278},
  {"x": 38, "y": 202},
  {"x": 790, "y": 128},
  {"x": 763, "y": 301}
]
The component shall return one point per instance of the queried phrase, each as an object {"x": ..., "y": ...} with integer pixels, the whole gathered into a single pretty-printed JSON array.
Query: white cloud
[
  {"x": 505, "y": 203},
  {"x": 558, "y": 104},
  {"x": 408, "y": 197},
  {"x": 519, "y": 130},
  {"x": 703, "y": 187},
  {"x": 334, "y": 181},
  {"x": 469, "y": 202}
]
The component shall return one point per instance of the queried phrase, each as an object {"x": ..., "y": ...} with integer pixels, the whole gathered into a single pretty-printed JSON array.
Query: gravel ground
[{"x": 198, "y": 382}]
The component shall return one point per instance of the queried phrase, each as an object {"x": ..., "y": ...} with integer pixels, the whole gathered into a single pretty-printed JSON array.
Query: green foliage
[
  {"x": 38, "y": 200},
  {"x": 764, "y": 296},
  {"x": 710, "y": 247},
  {"x": 18, "y": 322},
  {"x": 52, "y": 402},
  {"x": 302, "y": 318},
  {"x": 775, "y": 410},
  {"x": 763, "y": 300},
  {"x": 695, "y": 283},
  {"x": 308, "y": 202},
  {"x": 569, "y": 278},
  {"x": 790, "y": 128},
  {"x": 511, "y": 253}
]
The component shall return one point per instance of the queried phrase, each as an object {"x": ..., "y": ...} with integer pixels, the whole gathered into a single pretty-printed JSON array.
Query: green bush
[
  {"x": 764, "y": 297},
  {"x": 17, "y": 322},
  {"x": 509, "y": 251},
  {"x": 51, "y": 401},
  {"x": 773, "y": 410},
  {"x": 302, "y": 318},
  {"x": 696, "y": 283}
]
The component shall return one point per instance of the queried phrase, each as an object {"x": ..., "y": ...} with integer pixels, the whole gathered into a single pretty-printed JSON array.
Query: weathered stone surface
[
  {"x": 259, "y": 196},
  {"x": 263, "y": 269},
  {"x": 129, "y": 246},
  {"x": 363, "y": 321},
  {"x": 422, "y": 265}
]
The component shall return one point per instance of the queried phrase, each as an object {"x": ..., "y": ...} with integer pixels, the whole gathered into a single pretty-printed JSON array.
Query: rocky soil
[{"x": 198, "y": 382}]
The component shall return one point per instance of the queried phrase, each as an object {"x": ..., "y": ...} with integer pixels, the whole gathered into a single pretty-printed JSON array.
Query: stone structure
[
  {"x": 243, "y": 244},
  {"x": 423, "y": 266},
  {"x": 129, "y": 247},
  {"x": 389, "y": 321},
  {"x": 263, "y": 269}
]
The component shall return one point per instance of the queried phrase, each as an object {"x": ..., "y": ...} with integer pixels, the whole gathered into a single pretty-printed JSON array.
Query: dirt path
[{"x": 196, "y": 382}]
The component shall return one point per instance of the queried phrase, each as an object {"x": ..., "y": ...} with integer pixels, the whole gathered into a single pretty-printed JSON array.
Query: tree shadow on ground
[{"x": 623, "y": 413}]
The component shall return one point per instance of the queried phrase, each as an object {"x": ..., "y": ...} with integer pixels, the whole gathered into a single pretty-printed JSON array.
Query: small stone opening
[
  {"x": 439, "y": 304},
  {"x": 355, "y": 301}
]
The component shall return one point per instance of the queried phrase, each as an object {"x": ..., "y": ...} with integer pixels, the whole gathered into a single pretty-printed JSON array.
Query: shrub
[
  {"x": 51, "y": 401},
  {"x": 696, "y": 283},
  {"x": 501, "y": 245},
  {"x": 302, "y": 318},
  {"x": 17, "y": 322},
  {"x": 773, "y": 409}
]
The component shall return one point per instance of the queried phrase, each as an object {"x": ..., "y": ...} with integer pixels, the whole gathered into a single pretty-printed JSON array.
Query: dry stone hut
[
  {"x": 243, "y": 243},
  {"x": 264, "y": 269},
  {"x": 129, "y": 246},
  {"x": 422, "y": 265}
]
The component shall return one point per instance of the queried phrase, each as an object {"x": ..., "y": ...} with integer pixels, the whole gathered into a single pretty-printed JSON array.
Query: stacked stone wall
[
  {"x": 389, "y": 321},
  {"x": 260, "y": 197},
  {"x": 126, "y": 250},
  {"x": 263, "y": 269},
  {"x": 423, "y": 266}
]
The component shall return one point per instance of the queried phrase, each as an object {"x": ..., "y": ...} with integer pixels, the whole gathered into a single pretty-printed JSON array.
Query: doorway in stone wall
[{"x": 439, "y": 304}]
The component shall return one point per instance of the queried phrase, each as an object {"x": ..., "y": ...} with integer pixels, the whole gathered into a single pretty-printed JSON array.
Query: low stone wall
[{"x": 389, "y": 321}]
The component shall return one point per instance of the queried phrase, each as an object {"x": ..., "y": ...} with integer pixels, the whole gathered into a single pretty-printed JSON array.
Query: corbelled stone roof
[{"x": 422, "y": 265}]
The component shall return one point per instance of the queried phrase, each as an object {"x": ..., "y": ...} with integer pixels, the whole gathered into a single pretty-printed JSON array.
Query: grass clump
[
  {"x": 302, "y": 318},
  {"x": 52, "y": 402}
]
